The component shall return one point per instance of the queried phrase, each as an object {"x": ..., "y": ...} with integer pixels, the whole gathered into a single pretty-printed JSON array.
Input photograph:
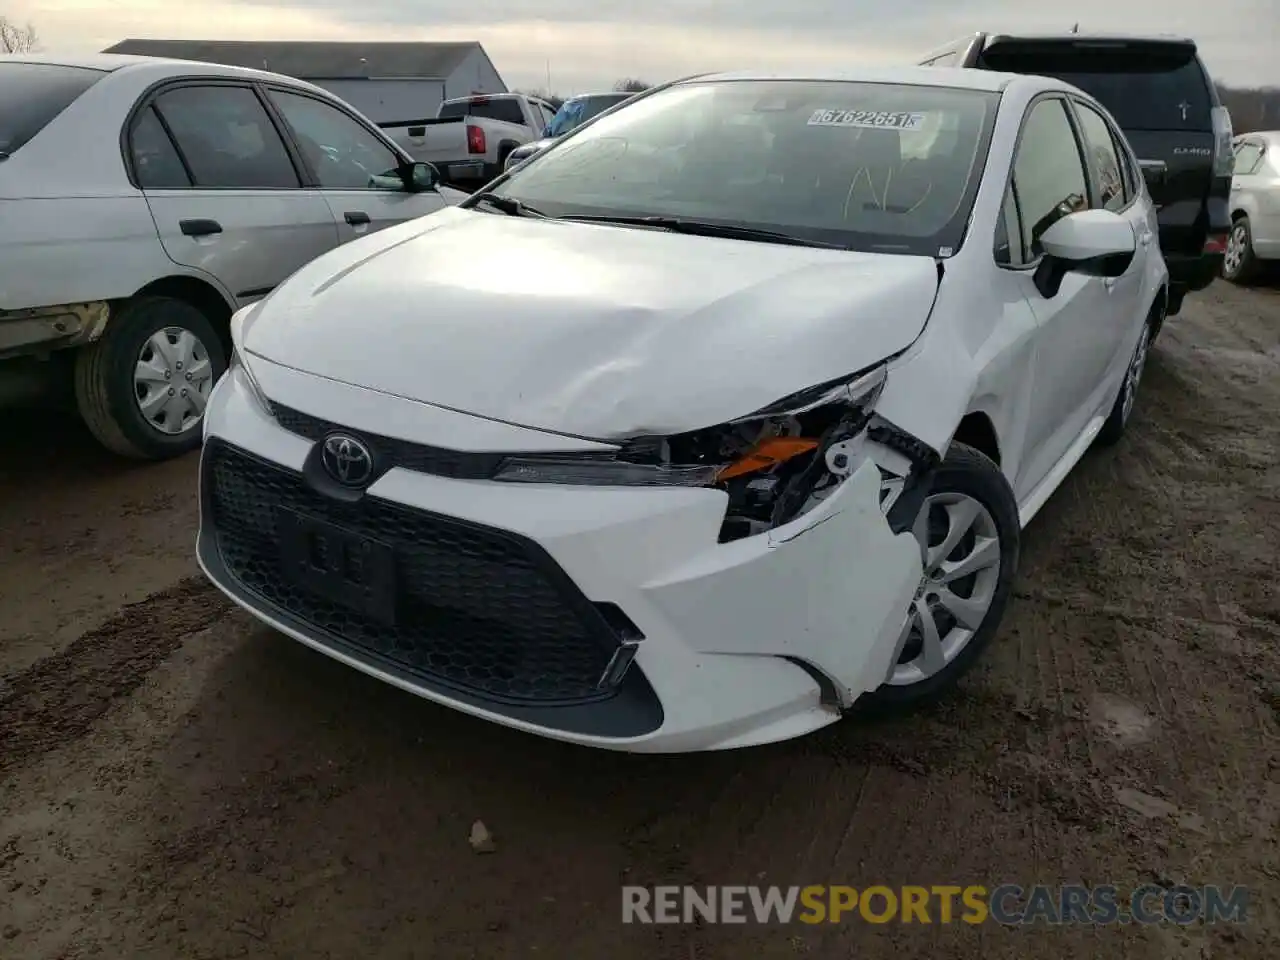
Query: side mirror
[
  {"x": 419, "y": 177},
  {"x": 1099, "y": 243}
]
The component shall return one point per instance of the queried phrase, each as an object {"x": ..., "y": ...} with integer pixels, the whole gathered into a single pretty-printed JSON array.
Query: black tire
[
  {"x": 966, "y": 471},
  {"x": 105, "y": 370},
  {"x": 1118, "y": 419},
  {"x": 1247, "y": 270}
]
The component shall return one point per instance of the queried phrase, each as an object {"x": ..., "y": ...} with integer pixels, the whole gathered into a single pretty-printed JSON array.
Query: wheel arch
[
  {"x": 977, "y": 430},
  {"x": 202, "y": 295}
]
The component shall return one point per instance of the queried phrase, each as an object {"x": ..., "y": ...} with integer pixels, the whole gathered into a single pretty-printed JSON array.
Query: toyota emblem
[{"x": 346, "y": 459}]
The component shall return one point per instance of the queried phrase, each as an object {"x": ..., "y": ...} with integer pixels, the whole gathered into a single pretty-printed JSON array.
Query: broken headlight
[{"x": 772, "y": 463}]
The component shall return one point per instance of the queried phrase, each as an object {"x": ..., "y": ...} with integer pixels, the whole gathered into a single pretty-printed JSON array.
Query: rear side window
[
  {"x": 155, "y": 159},
  {"x": 32, "y": 94},
  {"x": 226, "y": 138},
  {"x": 1144, "y": 87},
  {"x": 506, "y": 110}
]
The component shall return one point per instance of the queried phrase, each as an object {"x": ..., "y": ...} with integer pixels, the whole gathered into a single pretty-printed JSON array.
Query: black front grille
[
  {"x": 458, "y": 464},
  {"x": 478, "y": 609}
]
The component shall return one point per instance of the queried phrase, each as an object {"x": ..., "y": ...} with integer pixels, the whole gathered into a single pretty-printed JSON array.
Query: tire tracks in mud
[{"x": 58, "y": 699}]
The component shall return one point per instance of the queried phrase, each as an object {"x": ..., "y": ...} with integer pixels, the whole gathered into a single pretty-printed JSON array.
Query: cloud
[{"x": 589, "y": 45}]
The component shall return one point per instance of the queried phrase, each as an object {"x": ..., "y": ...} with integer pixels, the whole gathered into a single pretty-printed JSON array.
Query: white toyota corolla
[{"x": 719, "y": 416}]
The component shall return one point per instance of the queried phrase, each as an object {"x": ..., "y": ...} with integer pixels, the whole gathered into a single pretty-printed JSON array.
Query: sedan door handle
[
  {"x": 356, "y": 217},
  {"x": 199, "y": 228}
]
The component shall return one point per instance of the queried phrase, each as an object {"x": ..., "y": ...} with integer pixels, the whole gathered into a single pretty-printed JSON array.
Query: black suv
[{"x": 1163, "y": 99}]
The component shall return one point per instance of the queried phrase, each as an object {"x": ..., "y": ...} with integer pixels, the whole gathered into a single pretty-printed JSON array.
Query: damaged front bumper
[{"x": 699, "y": 644}]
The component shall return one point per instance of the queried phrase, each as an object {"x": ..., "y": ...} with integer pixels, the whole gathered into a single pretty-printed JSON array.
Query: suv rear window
[
  {"x": 1145, "y": 86},
  {"x": 507, "y": 110},
  {"x": 32, "y": 94}
]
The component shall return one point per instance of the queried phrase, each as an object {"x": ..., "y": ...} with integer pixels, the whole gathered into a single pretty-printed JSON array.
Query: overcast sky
[{"x": 588, "y": 44}]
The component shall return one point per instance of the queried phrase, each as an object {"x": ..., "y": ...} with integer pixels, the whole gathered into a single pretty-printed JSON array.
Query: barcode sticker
[{"x": 874, "y": 119}]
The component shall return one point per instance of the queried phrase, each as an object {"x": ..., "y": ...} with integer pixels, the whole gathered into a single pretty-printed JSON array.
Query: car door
[
  {"x": 1048, "y": 181},
  {"x": 353, "y": 165},
  {"x": 226, "y": 196},
  {"x": 1113, "y": 187}
]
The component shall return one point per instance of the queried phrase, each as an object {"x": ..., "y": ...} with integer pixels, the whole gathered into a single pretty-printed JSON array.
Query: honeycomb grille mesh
[{"x": 477, "y": 609}]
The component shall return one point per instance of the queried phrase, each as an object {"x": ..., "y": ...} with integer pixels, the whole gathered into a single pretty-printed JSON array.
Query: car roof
[
  {"x": 957, "y": 78},
  {"x": 1270, "y": 136},
  {"x": 159, "y": 66}
]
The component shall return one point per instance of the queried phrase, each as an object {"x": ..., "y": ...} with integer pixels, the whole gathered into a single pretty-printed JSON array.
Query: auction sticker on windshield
[{"x": 892, "y": 120}]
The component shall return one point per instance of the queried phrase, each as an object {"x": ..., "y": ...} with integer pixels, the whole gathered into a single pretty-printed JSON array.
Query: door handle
[
  {"x": 199, "y": 228},
  {"x": 356, "y": 218}
]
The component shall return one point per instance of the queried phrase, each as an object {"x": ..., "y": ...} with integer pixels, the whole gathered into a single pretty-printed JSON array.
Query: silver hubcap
[
  {"x": 961, "y": 571},
  {"x": 172, "y": 380},
  {"x": 1134, "y": 374},
  {"x": 1234, "y": 257}
]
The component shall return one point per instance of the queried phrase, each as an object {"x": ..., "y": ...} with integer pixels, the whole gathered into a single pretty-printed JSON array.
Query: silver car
[
  {"x": 1255, "y": 206},
  {"x": 143, "y": 200}
]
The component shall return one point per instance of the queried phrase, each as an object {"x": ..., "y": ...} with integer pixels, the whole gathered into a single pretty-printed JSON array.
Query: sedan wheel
[
  {"x": 143, "y": 387},
  {"x": 172, "y": 380},
  {"x": 1239, "y": 265},
  {"x": 969, "y": 538},
  {"x": 961, "y": 575}
]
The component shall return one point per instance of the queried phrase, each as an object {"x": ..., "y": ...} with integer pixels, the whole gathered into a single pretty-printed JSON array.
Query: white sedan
[{"x": 719, "y": 417}]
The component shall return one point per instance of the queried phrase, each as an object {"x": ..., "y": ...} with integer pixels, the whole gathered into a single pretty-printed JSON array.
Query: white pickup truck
[{"x": 469, "y": 138}]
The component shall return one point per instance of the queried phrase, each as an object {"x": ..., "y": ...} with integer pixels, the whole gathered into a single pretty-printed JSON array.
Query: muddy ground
[{"x": 176, "y": 782}]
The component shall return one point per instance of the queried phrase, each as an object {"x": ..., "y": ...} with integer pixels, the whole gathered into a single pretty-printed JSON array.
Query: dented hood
[{"x": 589, "y": 330}]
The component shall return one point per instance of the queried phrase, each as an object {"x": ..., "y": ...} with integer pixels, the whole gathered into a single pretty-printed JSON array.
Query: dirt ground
[{"x": 176, "y": 782}]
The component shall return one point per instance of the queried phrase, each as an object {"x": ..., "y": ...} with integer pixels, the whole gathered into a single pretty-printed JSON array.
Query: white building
[{"x": 384, "y": 80}]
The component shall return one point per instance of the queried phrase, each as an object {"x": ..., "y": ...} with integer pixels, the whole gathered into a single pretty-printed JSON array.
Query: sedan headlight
[{"x": 771, "y": 462}]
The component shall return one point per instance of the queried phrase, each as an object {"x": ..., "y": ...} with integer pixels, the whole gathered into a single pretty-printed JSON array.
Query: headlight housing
[{"x": 772, "y": 463}]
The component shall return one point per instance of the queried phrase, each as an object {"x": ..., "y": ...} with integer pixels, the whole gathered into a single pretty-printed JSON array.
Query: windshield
[
  {"x": 573, "y": 113},
  {"x": 886, "y": 167},
  {"x": 32, "y": 94}
]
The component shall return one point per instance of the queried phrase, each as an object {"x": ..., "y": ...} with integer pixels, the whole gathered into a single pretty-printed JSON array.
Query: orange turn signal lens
[{"x": 766, "y": 454}]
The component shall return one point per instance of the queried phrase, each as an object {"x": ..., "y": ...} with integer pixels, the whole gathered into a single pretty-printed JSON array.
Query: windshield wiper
[
  {"x": 704, "y": 228},
  {"x": 510, "y": 206}
]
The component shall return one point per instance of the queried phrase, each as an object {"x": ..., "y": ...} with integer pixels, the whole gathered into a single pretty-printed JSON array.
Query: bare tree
[
  {"x": 631, "y": 85},
  {"x": 16, "y": 39},
  {"x": 1251, "y": 108}
]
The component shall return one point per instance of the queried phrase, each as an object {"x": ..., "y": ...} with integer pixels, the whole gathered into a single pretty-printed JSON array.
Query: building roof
[{"x": 311, "y": 60}]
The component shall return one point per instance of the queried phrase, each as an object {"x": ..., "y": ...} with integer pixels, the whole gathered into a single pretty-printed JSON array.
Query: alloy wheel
[
  {"x": 172, "y": 380},
  {"x": 1233, "y": 258},
  {"x": 1133, "y": 375},
  {"x": 957, "y": 587}
]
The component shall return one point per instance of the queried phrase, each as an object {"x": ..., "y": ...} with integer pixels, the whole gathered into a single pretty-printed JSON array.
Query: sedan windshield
[{"x": 869, "y": 166}]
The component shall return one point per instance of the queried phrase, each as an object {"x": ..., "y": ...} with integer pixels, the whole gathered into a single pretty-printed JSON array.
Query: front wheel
[
  {"x": 969, "y": 527},
  {"x": 142, "y": 388}
]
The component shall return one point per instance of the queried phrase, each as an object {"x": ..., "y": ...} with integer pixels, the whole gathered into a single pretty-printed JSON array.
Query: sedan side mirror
[
  {"x": 1099, "y": 243},
  {"x": 419, "y": 177}
]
